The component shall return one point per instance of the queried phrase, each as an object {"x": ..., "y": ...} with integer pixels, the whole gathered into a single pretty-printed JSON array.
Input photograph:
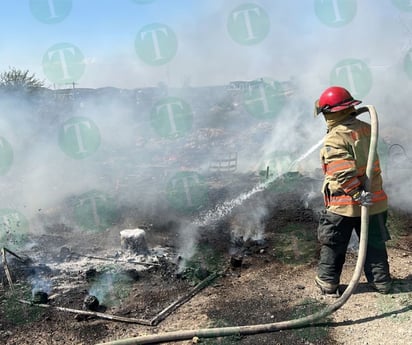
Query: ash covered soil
[{"x": 261, "y": 280}]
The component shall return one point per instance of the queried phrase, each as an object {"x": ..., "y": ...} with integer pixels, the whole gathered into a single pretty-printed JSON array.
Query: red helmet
[{"x": 335, "y": 98}]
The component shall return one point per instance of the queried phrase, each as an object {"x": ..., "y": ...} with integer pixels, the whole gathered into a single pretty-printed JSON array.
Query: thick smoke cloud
[{"x": 85, "y": 152}]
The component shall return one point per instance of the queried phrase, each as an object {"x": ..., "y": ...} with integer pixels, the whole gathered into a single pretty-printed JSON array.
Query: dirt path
[
  {"x": 269, "y": 293},
  {"x": 275, "y": 283},
  {"x": 372, "y": 318}
]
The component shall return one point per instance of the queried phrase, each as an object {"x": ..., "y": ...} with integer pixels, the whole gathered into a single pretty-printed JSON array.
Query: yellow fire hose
[{"x": 290, "y": 324}]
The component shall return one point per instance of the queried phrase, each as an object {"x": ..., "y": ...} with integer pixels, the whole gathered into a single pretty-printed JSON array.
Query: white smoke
[{"x": 133, "y": 164}]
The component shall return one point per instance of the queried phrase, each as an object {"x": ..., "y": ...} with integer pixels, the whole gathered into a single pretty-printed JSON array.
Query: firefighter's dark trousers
[{"x": 334, "y": 233}]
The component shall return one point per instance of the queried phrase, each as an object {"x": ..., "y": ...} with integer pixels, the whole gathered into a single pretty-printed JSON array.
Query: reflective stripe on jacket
[{"x": 344, "y": 158}]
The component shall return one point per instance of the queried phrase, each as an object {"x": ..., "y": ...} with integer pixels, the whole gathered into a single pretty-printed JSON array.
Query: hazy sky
[{"x": 201, "y": 42}]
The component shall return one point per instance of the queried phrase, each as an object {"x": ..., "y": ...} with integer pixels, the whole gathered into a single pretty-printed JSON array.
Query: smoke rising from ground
[{"x": 134, "y": 160}]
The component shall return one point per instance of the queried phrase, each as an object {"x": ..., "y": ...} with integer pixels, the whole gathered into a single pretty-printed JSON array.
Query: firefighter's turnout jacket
[{"x": 344, "y": 156}]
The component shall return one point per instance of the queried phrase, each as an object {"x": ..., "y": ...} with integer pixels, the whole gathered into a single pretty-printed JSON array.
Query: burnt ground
[{"x": 261, "y": 280}]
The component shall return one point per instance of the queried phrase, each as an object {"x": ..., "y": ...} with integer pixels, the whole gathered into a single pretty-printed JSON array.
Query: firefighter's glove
[{"x": 363, "y": 197}]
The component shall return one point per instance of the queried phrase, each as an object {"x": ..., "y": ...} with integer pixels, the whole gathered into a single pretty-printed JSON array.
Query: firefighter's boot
[{"x": 327, "y": 288}]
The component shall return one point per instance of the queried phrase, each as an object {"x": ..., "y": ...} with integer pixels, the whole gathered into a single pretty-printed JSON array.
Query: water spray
[
  {"x": 223, "y": 209},
  {"x": 226, "y": 207},
  {"x": 289, "y": 324}
]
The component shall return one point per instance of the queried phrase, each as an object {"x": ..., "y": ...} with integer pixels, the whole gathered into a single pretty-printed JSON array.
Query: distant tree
[{"x": 19, "y": 80}]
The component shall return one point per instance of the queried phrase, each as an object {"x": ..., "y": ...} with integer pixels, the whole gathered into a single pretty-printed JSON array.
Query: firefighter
[{"x": 344, "y": 158}]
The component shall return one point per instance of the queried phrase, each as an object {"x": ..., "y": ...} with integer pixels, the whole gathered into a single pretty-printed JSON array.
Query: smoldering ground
[
  {"x": 131, "y": 166},
  {"x": 128, "y": 159}
]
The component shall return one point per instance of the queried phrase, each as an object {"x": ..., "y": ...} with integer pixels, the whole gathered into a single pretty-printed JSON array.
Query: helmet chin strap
[{"x": 362, "y": 110}]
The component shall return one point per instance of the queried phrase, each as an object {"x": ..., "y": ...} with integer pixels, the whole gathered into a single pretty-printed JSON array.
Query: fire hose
[{"x": 289, "y": 324}]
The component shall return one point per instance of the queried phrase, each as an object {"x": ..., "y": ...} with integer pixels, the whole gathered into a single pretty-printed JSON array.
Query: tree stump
[{"x": 134, "y": 240}]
